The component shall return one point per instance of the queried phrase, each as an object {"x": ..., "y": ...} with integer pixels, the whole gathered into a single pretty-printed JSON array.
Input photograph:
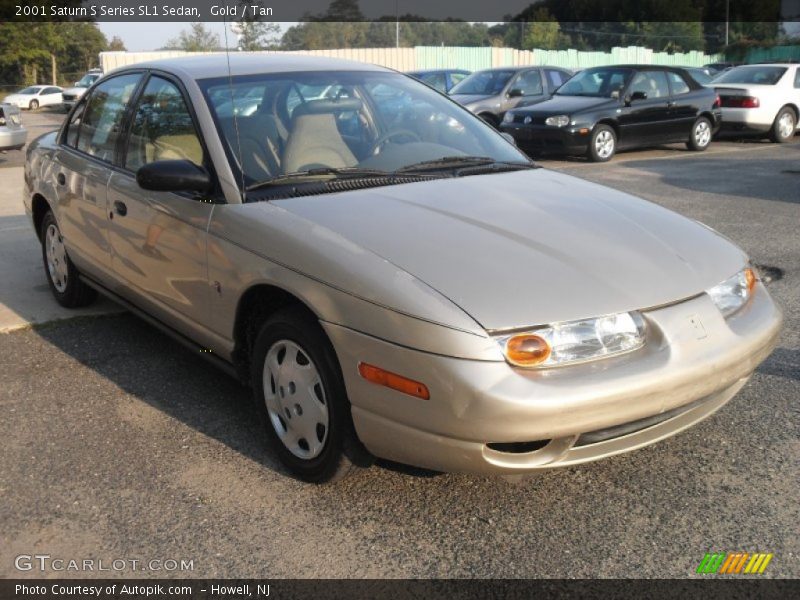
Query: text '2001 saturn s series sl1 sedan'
[{"x": 390, "y": 275}]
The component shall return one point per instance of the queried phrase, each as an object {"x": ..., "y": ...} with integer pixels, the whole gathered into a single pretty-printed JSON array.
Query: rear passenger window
[
  {"x": 102, "y": 118},
  {"x": 162, "y": 127},
  {"x": 436, "y": 81},
  {"x": 556, "y": 78},
  {"x": 652, "y": 83},
  {"x": 678, "y": 83}
]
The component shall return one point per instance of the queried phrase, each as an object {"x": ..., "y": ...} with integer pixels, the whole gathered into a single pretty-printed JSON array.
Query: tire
[
  {"x": 602, "y": 144},
  {"x": 301, "y": 399},
  {"x": 700, "y": 138},
  {"x": 62, "y": 275},
  {"x": 784, "y": 126},
  {"x": 490, "y": 119},
  {"x": 34, "y": 105}
]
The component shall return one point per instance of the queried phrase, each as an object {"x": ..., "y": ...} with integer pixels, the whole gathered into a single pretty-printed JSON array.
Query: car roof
[
  {"x": 206, "y": 66},
  {"x": 425, "y": 71}
]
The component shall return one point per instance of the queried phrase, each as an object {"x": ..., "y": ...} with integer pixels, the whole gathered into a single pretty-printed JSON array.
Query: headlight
[
  {"x": 508, "y": 117},
  {"x": 557, "y": 121},
  {"x": 574, "y": 341},
  {"x": 733, "y": 293}
]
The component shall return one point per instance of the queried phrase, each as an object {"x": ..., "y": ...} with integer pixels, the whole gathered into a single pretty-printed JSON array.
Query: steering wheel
[{"x": 393, "y": 134}]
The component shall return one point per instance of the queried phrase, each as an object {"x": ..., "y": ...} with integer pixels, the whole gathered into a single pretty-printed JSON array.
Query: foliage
[
  {"x": 196, "y": 39},
  {"x": 116, "y": 45}
]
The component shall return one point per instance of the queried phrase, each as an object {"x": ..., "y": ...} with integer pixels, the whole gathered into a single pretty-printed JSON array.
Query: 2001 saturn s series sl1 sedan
[{"x": 391, "y": 276}]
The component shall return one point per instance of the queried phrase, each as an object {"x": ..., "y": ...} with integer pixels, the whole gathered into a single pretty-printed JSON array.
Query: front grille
[
  {"x": 68, "y": 97},
  {"x": 533, "y": 120}
]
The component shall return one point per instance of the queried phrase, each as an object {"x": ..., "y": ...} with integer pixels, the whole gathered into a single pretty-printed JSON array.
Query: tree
[
  {"x": 116, "y": 45},
  {"x": 544, "y": 32},
  {"x": 196, "y": 39},
  {"x": 253, "y": 33}
]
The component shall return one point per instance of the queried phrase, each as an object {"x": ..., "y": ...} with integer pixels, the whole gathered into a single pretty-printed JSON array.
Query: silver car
[
  {"x": 13, "y": 134},
  {"x": 390, "y": 276},
  {"x": 493, "y": 92}
]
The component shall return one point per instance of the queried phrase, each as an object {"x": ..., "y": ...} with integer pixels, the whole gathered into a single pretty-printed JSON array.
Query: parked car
[
  {"x": 719, "y": 67},
  {"x": 702, "y": 75},
  {"x": 440, "y": 79},
  {"x": 606, "y": 108},
  {"x": 402, "y": 284},
  {"x": 71, "y": 95},
  {"x": 492, "y": 92},
  {"x": 12, "y": 133},
  {"x": 35, "y": 96},
  {"x": 761, "y": 99}
]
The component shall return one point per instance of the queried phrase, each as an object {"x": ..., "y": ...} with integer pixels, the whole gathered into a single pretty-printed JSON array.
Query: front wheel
[
  {"x": 301, "y": 399},
  {"x": 34, "y": 105},
  {"x": 63, "y": 277},
  {"x": 783, "y": 128},
  {"x": 700, "y": 138},
  {"x": 602, "y": 144}
]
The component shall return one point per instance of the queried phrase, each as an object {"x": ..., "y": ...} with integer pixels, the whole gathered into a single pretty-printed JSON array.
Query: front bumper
[
  {"x": 693, "y": 363},
  {"x": 542, "y": 138},
  {"x": 12, "y": 139}
]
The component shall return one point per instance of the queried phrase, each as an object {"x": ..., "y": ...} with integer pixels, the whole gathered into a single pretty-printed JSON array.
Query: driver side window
[
  {"x": 162, "y": 127},
  {"x": 529, "y": 83}
]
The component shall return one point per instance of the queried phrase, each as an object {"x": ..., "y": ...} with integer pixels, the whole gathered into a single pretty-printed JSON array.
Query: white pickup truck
[{"x": 71, "y": 95}]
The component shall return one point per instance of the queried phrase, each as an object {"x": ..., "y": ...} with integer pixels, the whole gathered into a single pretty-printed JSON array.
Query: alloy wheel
[
  {"x": 702, "y": 133},
  {"x": 295, "y": 399},
  {"x": 786, "y": 125},
  {"x": 604, "y": 144}
]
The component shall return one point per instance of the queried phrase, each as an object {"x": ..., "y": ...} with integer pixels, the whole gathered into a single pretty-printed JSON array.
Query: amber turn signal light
[
  {"x": 527, "y": 350},
  {"x": 750, "y": 278},
  {"x": 393, "y": 381}
]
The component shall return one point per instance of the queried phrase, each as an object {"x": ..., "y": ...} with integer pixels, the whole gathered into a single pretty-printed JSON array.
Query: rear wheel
[
  {"x": 783, "y": 128},
  {"x": 34, "y": 105},
  {"x": 301, "y": 399},
  {"x": 603, "y": 144},
  {"x": 63, "y": 277},
  {"x": 700, "y": 137}
]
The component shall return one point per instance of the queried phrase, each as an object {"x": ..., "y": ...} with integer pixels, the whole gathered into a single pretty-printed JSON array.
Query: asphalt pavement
[{"x": 118, "y": 443}]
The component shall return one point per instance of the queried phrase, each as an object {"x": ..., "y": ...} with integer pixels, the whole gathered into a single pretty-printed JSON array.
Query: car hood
[
  {"x": 75, "y": 91},
  {"x": 465, "y": 99},
  {"x": 530, "y": 247},
  {"x": 560, "y": 105}
]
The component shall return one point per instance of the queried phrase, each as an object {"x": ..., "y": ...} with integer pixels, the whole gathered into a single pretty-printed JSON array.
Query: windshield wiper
[
  {"x": 463, "y": 163},
  {"x": 343, "y": 173}
]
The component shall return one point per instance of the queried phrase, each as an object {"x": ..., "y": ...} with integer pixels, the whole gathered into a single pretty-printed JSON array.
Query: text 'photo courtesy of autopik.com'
[{"x": 399, "y": 299}]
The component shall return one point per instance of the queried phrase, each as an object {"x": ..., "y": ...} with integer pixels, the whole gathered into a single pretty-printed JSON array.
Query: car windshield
[
  {"x": 29, "y": 91},
  {"x": 275, "y": 126},
  {"x": 600, "y": 83},
  {"x": 86, "y": 81},
  {"x": 756, "y": 75},
  {"x": 483, "y": 83}
]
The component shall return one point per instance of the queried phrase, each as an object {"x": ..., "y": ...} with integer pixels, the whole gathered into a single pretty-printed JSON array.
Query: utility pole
[{"x": 727, "y": 19}]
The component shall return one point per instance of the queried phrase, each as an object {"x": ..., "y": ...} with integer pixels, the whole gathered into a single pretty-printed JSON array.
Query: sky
[{"x": 152, "y": 36}]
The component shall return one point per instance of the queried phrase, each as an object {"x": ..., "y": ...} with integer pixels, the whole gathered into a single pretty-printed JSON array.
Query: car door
[
  {"x": 50, "y": 95},
  {"x": 645, "y": 119},
  {"x": 526, "y": 87},
  {"x": 82, "y": 166},
  {"x": 158, "y": 239},
  {"x": 684, "y": 106}
]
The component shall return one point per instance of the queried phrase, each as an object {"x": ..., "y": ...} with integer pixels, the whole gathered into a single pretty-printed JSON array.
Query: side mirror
[
  {"x": 173, "y": 176},
  {"x": 508, "y": 137},
  {"x": 76, "y": 84},
  {"x": 515, "y": 93},
  {"x": 638, "y": 95}
]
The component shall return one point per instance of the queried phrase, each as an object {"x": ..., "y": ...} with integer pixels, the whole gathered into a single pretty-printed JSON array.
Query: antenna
[{"x": 233, "y": 103}]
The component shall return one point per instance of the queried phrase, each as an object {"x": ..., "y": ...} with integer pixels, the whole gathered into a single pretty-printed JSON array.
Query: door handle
[
  {"x": 120, "y": 208},
  {"x": 61, "y": 178}
]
